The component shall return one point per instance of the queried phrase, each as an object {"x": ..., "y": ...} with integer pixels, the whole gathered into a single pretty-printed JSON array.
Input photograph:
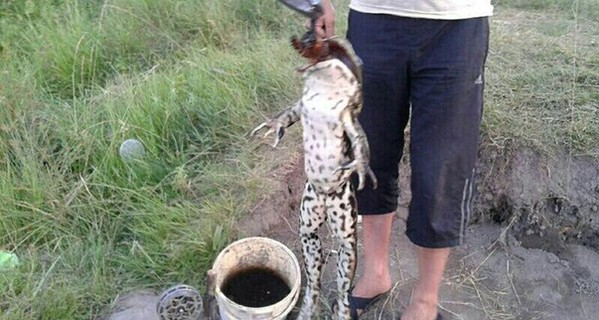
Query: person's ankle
[
  {"x": 420, "y": 310},
  {"x": 429, "y": 303},
  {"x": 372, "y": 285},
  {"x": 427, "y": 299}
]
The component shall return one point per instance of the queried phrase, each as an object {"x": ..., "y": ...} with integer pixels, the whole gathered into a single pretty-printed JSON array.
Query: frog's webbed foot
[
  {"x": 363, "y": 170},
  {"x": 272, "y": 126}
]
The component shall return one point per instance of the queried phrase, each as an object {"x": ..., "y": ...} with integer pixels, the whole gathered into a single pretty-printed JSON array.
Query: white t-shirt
[{"x": 428, "y": 9}]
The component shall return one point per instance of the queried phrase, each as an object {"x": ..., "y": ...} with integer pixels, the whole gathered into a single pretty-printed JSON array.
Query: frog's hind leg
[
  {"x": 342, "y": 216},
  {"x": 312, "y": 216}
]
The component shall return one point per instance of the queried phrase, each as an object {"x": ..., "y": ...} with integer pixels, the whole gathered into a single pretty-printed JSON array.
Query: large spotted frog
[{"x": 335, "y": 147}]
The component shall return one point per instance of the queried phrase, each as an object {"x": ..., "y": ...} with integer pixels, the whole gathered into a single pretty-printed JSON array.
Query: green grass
[
  {"x": 566, "y": 8},
  {"x": 185, "y": 78},
  {"x": 543, "y": 76},
  {"x": 189, "y": 79}
]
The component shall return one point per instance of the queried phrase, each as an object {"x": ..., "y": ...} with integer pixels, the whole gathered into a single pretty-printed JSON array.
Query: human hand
[{"x": 325, "y": 24}]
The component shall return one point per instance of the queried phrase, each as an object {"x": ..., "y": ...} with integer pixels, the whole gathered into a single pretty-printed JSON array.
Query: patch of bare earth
[{"x": 532, "y": 249}]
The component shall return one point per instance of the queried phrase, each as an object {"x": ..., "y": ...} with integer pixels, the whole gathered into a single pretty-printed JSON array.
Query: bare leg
[
  {"x": 431, "y": 265},
  {"x": 376, "y": 239}
]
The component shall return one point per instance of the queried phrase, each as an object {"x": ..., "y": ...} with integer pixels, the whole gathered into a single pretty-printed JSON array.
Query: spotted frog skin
[{"x": 335, "y": 147}]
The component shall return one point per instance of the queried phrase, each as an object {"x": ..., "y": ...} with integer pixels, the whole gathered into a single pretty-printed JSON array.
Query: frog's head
[{"x": 317, "y": 51}]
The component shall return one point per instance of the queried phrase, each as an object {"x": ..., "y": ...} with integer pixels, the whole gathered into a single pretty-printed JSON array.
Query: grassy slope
[
  {"x": 79, "y": 77},
  {"x": 188, "y": 79},
  {"x": 543, "y": 76}
]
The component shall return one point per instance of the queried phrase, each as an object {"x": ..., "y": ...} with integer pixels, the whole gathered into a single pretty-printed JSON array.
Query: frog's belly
[{"x": 324, "y": 152}]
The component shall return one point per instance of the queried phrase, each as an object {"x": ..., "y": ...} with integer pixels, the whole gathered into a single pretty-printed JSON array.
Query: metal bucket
[{"x": 256, "y": 252}]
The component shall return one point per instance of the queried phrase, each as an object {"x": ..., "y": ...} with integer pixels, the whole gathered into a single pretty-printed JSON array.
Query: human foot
[
  {"x": 369, "y": 288},
  {"x": 421, "y": 310},
  {"x": 359, "y": 305}
]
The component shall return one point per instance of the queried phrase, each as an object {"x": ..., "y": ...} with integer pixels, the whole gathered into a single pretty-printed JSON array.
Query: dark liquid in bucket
[{"x": 255, "y": 287}]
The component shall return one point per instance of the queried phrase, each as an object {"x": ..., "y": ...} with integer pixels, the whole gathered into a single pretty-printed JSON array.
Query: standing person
[{"x": 423, "y": 62}]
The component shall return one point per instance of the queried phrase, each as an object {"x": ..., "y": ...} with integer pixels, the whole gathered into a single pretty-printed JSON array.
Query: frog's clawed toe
[
  {"x": 346, "y": 166},
  {"x": 362, "y": 178},
  {"x": 362, "y": 170},
  {"x": 372, "y": 177},
  {"x": 272, "y": 126},
  {"x": 258, "y": 128}
]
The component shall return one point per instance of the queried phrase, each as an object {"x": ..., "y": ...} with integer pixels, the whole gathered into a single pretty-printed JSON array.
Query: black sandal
[{"x": 358, "y": 303}]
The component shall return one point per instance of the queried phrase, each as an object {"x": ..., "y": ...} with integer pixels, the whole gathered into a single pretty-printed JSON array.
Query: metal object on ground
[{"x": 181, "y": 302}]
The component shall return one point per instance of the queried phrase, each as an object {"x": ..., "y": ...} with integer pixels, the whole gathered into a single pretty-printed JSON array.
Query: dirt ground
[{"x": 532, "y": 250}]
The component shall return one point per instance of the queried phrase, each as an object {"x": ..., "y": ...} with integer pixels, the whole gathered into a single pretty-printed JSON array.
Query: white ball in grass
[{"x": 131, "y": 149}]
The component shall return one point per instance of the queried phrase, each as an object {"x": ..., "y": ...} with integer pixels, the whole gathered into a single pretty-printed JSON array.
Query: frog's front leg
[
  {"x": 360, "y": 148},
  {"x": 282, "y": 120}
]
